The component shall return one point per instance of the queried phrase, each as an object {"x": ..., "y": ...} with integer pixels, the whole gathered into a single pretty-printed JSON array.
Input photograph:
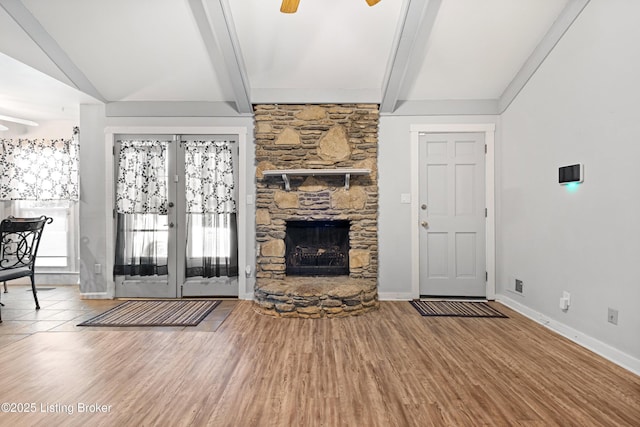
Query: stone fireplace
[{"x": 316, "y": 209}]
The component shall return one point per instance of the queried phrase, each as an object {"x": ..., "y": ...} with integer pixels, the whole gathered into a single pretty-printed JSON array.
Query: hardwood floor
[{"x": 387, "y": 368}]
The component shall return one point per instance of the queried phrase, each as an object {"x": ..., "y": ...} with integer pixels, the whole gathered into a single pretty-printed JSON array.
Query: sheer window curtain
[
  {"x": 212, "y": 248},
  {"x": 141, "y": 207},
  {"x": 39, "y": 169}
]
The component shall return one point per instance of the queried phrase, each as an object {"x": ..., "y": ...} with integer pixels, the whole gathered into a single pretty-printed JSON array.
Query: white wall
[
  {"x": 94, "y": 214},
  {"x": 582, "y": 105},
  {"x": 93, "y": 211}
]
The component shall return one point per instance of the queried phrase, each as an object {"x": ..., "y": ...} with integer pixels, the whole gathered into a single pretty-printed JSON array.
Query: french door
[
  {"x": 175, "y": 219},
  {"x": 452, "y": 215}
]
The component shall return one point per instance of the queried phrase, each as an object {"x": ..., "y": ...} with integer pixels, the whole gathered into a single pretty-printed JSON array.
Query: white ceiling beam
[
  {"x": 170, "y": 109},
  {"x": 219, "y": 36},
  {"x": 417, "y": 20},
  {"x": 34, "y": 29},
  {"x": 560, "y": 26},
  {"x": 447, "y": 107}
]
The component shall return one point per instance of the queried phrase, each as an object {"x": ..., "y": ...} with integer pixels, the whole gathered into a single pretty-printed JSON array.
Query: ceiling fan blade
[
  {"x": 372, "y": 2},
  {"x": 289, "y": 6}
]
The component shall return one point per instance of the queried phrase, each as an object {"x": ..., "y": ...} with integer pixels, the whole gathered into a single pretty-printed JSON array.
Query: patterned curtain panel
[
  {"x": 209, "y": 177},
  {"x": 39, "y": 169},
  {"x": 142, "y": 177},
  {"x": 212, "y": 249}
]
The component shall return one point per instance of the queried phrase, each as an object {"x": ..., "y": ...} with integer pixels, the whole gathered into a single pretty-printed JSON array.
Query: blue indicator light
[{"x": 572, "y": 187}]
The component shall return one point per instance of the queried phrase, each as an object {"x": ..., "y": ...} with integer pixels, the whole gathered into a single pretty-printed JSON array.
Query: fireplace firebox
[{"x": 317, "y": 248}]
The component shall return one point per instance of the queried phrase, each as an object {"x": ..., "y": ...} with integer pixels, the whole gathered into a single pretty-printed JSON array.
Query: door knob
[
  {"x": 425, "y": 224},
  {"x": 171, "y": 225},
  {"x": 170, "y": 204}
]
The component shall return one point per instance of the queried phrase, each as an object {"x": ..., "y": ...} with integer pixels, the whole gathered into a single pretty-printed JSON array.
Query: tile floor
[{"x": 61, "y": 309}]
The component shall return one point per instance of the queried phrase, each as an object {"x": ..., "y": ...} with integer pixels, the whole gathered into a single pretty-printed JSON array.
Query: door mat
[
  {"x": 155, "y": 313},
  {"x": 456, "y": 309}
]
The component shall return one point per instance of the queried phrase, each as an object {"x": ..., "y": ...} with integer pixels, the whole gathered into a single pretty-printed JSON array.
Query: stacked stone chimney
[{"x": 323, "y": 137}]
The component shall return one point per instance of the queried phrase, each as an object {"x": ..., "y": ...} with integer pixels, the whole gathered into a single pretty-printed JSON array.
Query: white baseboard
[
  {"x": 395, "y": 296},
  {"x": 246, "y": 296},
  {"x": 605, "y": 350},
  {"x": 95, "y": 295}
]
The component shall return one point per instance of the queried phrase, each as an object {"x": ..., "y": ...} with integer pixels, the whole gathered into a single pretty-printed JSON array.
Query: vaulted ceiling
[{"x": 221, "y": 56}]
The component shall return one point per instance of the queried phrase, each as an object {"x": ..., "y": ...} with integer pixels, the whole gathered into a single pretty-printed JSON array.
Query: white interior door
[
  {"x": 167, "y": 234},
  {"x": 452, "y": 215}
]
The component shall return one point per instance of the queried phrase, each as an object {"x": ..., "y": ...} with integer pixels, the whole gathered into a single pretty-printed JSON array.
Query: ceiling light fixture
[
  {"x": 16, "y": 120},
  {"x": 291, "y": 6}
]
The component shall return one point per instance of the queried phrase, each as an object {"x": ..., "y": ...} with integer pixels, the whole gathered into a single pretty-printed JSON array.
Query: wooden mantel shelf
[{"x": 285, "y": 173}]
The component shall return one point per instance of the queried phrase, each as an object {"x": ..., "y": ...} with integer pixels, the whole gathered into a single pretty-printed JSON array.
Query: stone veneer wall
[{"x": 320, "y": 137}]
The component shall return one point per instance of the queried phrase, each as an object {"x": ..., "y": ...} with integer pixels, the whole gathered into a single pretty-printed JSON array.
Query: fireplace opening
[{"x": 317, "y": 248}]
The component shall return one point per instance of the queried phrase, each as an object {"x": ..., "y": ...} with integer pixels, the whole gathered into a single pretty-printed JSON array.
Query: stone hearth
[
  {"x": 317, "y": 297},
  {"x": 322, "y": 137}
]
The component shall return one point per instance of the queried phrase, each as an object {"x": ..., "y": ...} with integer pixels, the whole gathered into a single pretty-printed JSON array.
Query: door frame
[
  {"x": 489, "y": 130},
  {"x": 110, "y": 134}
]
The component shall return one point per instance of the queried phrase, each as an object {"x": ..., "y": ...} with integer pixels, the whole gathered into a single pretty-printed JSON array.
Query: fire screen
[{"x": 317, "y": 248}]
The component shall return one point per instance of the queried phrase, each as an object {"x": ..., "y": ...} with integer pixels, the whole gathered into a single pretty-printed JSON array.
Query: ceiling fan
[{"x": 291, "y": 6}]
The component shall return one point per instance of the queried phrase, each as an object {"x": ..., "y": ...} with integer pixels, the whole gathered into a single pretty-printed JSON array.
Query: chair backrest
[{"x": 19, "y": 241}]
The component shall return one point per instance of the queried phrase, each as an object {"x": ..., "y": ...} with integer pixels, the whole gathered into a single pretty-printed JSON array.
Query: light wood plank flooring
[{"x": 387, "y": 368}]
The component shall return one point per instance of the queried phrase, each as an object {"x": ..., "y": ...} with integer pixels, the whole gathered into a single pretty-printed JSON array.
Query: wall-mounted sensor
[{"x": 571, "y": 173}]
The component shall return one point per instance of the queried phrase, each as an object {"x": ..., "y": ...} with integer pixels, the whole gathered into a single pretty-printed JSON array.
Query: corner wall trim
[
  {"x": 605, "y": 350},
  {"x": 395, "y": 296},
  {"x": 95, "y": 295},
  {"x": 246, "y": 296}
]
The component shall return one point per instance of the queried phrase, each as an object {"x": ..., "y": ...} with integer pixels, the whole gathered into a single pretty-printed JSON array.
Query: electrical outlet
[
  {"x": 612, "y": 316},
  {"x": 519, "y": 286},
  {"x": 97, "y": 268}
]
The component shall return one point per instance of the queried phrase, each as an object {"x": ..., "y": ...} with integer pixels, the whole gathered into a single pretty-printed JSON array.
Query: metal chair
[{"x": 19, "y": 241}]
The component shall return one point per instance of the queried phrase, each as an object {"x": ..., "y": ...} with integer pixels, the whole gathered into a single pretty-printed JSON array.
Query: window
[
  {"x": 57, "y": 249},
  {"x": 40, "y": 177}
]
